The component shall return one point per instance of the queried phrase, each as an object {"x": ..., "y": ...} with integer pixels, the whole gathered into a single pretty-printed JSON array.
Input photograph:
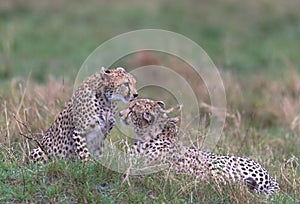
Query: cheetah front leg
[
  {"x": 109, "y": 124},
  {"x": 80, "y": 144}
]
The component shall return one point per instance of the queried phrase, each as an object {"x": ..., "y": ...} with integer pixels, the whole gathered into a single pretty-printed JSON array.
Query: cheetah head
[
  {"x": 143, "y": 114},
  {"x": 120, "y": 85}
]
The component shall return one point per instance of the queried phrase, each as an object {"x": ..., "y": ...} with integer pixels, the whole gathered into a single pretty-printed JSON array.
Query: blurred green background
[{"x": 55, "y": 37}]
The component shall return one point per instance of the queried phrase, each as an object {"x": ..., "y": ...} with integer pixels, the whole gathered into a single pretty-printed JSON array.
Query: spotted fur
[
  {"x": 161, "y": 144},
  {"x": 87, "y": 118}
]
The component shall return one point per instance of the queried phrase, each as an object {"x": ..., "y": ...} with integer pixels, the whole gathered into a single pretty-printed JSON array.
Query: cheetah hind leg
[
  {"x": 80, "y": 146},
  {"x": 38, "y": 155},
  {"x": 251, "y": 183}
]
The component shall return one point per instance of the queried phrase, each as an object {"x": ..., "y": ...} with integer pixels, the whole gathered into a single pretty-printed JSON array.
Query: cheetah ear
[
  {"x": 121, "y": 69},
  {"x": 104, "y": 70},
  {"x": 161, "y": 104},
  {"x": 148, "y": 117}
]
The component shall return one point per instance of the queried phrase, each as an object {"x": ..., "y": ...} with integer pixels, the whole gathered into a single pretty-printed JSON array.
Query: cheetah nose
[{"x": 135, "y": 95}]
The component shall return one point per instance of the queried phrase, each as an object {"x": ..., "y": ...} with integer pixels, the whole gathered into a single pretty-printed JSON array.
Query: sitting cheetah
[
  {"x": 162, "y": 144},
  {"x": 87, "y": 117}
]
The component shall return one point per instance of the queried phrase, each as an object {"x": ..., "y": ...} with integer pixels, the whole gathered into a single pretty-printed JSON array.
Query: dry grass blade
[{"x": 27, "y": 137}]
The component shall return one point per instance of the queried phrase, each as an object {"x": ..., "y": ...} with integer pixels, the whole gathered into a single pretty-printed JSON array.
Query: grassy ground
[{"x": 254, "y": 43}]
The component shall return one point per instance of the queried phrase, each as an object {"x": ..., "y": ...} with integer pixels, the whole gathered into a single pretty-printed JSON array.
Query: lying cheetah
[
  {"x": 87, "y": 117},
  {"x": 150, "y": 120}
]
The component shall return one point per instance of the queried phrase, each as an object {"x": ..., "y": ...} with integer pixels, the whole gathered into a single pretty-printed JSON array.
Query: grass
[
  {"x": 255, "y": 44},
  {"x": 74, "y": 182}
]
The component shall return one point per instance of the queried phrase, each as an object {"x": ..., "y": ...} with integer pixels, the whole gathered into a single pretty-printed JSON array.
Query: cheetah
[
  {"x": 161, "y": 143},
  {"x": 87, "y": 118}
]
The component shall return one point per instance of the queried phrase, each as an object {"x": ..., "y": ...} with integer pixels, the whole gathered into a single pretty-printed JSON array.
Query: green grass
[
  {"x": 73, "y": 182},
  {"x": 255, "y": 45}
]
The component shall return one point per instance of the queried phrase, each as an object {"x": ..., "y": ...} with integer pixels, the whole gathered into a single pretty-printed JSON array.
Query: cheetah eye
[
  {"x": 124, "y": 85},
  {"x": 148, "y": 117},
  {"x": 130, "y": 112}
]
